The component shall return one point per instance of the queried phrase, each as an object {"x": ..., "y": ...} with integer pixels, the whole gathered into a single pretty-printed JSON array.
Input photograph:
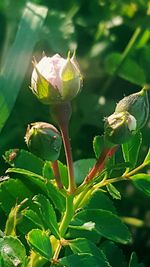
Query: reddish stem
[
  {"x": 61, "y": 114},
  {"x": 56, "y": 172},
  {"x": 68, "y": 153},
  {"x": 99, "y": 165}
]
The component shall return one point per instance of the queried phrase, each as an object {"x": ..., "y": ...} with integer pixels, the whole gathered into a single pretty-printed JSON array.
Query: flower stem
[
  {"x": 56, "y": 172},
  {"x": 61, "y": 114},
  {"x": 67, "y": 147}
]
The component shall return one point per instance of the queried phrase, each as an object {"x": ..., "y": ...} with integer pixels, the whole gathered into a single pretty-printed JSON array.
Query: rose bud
[
  {"x": 119, "y": 127},
  {"x": 55, "y": 79},
  {"x": 43, "y": 140},
  {"x": 137, "y": 105}
]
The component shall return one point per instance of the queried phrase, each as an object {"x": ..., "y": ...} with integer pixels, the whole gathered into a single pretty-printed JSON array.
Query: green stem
[
  {"x": 125, "y": 54},
  {"x": 65, "y": 223},
  {"x": 80, "y": 197}
]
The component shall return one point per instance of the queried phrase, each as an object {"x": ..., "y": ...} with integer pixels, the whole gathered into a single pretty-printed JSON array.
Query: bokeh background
[{"x": 112, "y": 43}]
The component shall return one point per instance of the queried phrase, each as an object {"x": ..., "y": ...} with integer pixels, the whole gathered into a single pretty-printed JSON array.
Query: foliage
[{"x": 96, "y": 224}]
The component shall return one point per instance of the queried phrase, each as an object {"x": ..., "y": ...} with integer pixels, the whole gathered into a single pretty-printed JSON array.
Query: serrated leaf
[
  {"x": 86, "y": 230},
  {"x": 15, "y": 191},
  {"x": 20, "y": 52},
  {"x": 63, "y": 173},
  {"x": 12, "y": 251},
  {"x": 55, "y": 196},
  {"x": 131, "y": 149},
  {"x": 113, "y": 191},
  {"x": 13, "y": 219},
  {"x": 40, "y": 243},
  {"x": 82, "y": 168},
  {"x": 33, "y": 218},
  {"x": 142, "y": 182},
  {"x": 25, "y": 172},
  {"x": 147, "y": 158},
  {"x": 106, "y": 224},
  {"x": 24, "y": 160},
  {"x": 47, "y": 214},
  {"x": 98, "y": 145},
  {"x": 80, "y": 260},
  {"x": 47, "y": 171},
  {"x": 110, "y": 249},
  {"x": 134, "y": 261},
  {"x": 83, "y": 245},
  {"x": 129, "y": 70},
  {"x": 100, "y": 200}
]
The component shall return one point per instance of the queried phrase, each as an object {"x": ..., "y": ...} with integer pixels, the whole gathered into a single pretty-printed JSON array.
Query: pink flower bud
[{"x": 55, "y": 79}]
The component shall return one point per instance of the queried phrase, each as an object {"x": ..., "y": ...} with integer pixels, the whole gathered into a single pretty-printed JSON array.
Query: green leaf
[
  {"x": 142, "y": 182},
  {"x": 100, "y": 200},
  {"x": 110, "y": 249},
  {"x": 55, "y": 196},
  {"x": 47, "y": 171},
  {"x": 12, "y": 251},
  {"x": 81, "y": 169},
  {"x": 34, "y": 182},
  {"x": 113, "y": 191},
  {"x": 131, "y": 149},
  {"x": 24, "y": 160},
  {"x": 86, "y": 230},
  {"x": 30, "y": 220},
  {"x": 19, "y": 56},
  {"x": 98, "y": 145},
  {"x": 13, "y": 219},
  {"x": 147, "y": 158},
  {"x": 80, "y": 260},
  {"x": 47, "y": 214},
  {"x": 15, "y": 191},
  {"x": 129, "y": 70},
  {"x": 106, "y": 224},
  {"x": 25, "y": 172},
  {"x": 40, "y": 243},
  {"x": 63, "y": 173},
  {"x": 83, "y": 245},
  {"x": 134, "y": 261}
]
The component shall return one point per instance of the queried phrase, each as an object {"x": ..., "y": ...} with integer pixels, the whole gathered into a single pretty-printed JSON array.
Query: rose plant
[{"x": 65, "y": 215}]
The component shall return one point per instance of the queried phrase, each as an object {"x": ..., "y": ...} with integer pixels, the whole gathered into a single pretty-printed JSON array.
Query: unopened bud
[
  {"x": 43, "y": 140},
  {"x": 55, "y": 79},
  {"x": 137, "y": 105},
  {"x": 119, "y": 127}
]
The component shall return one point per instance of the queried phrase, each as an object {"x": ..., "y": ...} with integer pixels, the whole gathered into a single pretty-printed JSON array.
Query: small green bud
[
  {"x": 43, "y": 140},
  {"x": 56, "y": 80},
  {"x": 137, "y": 105},
  {"x": 119, "y": 127}
]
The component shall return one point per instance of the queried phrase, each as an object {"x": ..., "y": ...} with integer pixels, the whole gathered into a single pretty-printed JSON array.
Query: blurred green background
[{"x": 112, "y": 42}]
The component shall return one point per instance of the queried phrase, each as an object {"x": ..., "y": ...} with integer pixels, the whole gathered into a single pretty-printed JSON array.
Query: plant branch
[
  {"x": 99, "y": 165},
  {"x": 68, "y": 152},
  {"x": 64, "y": 224},
  {"x": 61, "y": 114}
]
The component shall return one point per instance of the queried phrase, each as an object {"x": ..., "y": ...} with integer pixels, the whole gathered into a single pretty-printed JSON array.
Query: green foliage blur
[{"x": 112, "y": 43}]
